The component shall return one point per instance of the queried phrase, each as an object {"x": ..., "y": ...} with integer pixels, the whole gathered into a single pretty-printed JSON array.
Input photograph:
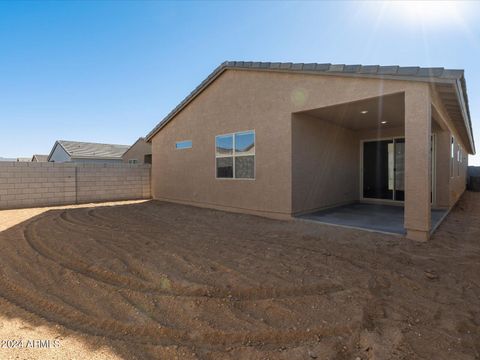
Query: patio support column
[{"x": 417, "y": 163}]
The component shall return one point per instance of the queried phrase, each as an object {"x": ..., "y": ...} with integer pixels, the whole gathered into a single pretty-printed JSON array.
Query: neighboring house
[
  {"x": 139, "y": 153},
  {"x": 23, "y": 159},
  {"x": 7, "y": 159},
  {"x": 39, "y": 158},
  {"x": 83, "y": 152},
  {"x": 295, "y": 138}
]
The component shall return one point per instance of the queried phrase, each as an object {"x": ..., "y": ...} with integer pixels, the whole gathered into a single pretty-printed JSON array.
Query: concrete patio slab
[{"x": 373, "y": 217}]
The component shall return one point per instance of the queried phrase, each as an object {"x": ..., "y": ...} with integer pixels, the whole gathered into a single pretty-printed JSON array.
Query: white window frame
[
  {"x": 183, "y": 142},
  {"x": 233, "y": 155},
  {"x": 452, "y": 157},
  {"x": 133, "y": 161},
  {"x": 459, "y": 161}
]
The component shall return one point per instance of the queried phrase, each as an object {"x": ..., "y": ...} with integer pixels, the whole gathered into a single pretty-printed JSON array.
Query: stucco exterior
[
  {"x": 139, "y": 153},
  {"x": 318, "y": 148},
  {"x": 302, "y": 162}
]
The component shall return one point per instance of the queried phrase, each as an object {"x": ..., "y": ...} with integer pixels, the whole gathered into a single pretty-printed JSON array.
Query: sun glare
[
  {"x": 425, "y": 13},
  {"x": 432, "y": 12}
]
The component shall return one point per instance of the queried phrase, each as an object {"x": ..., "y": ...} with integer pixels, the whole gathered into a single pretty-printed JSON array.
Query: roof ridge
[
  {"x": 89, "y": 142},
  {"x": 413, "y": 73},
  {"x": 434, "y": 71}
]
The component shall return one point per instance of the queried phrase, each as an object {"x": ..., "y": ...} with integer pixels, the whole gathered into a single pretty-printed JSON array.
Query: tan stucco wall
[
  {"x": 325, "y": 164},
  {"x": 442, "y": 168},
  {"x": 458, "y": 182},
  {"x": 137, "y": 152},
  {"x": 234, "y": 102},
  {"x": 418, "y": 180},
  {"x": 449, "y": 188},
  {"x": 264, "y": 101},
  {"x": 385, "y": 133}
]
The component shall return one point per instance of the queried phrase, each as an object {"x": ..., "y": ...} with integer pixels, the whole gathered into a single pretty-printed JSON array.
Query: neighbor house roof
[
  {"x": 40, "y": 158},
  {"x": 140, "y": 139},
  {"x": 413, "y": 73},
  {"x": 83, "y": 150}
]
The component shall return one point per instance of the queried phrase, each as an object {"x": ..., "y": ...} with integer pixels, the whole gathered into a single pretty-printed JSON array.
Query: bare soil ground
[{"x": 154, "y": 280}]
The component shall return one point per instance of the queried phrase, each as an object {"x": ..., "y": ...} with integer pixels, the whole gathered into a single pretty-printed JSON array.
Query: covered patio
[
  {"x": 380, "y": 163},
  {"x": 373, "y": 217}
]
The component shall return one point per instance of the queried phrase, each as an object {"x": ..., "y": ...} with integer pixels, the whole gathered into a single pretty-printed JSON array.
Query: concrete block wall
[
  {"x": 46, "y": 184},
  {"x": 118, "y": 181}
]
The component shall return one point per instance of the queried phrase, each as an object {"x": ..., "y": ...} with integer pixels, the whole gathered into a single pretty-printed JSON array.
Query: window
[
  {"x": 235, "y": 155},
  {"x": 187, "y": 144},
  {"x": 133, "y": 161},
  {"x": 458, "y": 162},
  {"x": 452, "y": 156},
  {"x": 147, "y": 159}
]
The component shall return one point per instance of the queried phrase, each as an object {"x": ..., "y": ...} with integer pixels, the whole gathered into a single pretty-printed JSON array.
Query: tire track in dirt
[
  {"x": 111, "y": 278},
  {"x": 256, "y": 285},
  {"x": 192, "y": 263},
  {"x": 153, "y": 330},
  {"x": 148, "y": 334},
  {"x": 267, "y": 293}
]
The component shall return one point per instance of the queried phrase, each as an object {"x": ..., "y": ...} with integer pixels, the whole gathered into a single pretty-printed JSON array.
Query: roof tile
[
  {"x": 430, "y": 72},
  {"x": 85, "y": 149},
  {"x": 322, "y": 67},
  {"x": 369, "y": 69},
  {"x": 285, "y": 65},
  {"x": 387, "y": 70},
  {"x": 351, "y": 68},
  {"x": 372, "y": 70},
  {"x": 336, "y": 68},
  {"x": 309, "y": 67},
  {"x": 408, "y": 70}
]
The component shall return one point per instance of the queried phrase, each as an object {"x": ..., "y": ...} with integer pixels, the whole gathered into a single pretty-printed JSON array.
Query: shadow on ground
[{"x": 157, "y": 280}]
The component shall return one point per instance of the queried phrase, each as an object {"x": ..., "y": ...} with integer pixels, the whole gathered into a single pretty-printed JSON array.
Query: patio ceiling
[{"x": 365, "y": 114}]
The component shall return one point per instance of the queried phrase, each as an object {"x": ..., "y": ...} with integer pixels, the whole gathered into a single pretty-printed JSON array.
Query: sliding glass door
[{"x": 384, "y": 169}]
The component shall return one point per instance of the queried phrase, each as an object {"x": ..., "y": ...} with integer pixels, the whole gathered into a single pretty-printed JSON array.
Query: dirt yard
[{"x": 154, "y": 280}]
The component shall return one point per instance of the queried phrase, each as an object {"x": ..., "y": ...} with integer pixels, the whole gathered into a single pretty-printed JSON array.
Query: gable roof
[
  {"x": 412, "y": 73},
  {"x": 140, "y": 139},
  {"x": 86, "y": 150},
  {"x": 40, "y": 158}
]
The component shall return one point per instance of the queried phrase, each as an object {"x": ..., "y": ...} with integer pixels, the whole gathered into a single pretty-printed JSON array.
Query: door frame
[
  {"x": 385, "y": 201},
  {"x": 433, "y": 167}
]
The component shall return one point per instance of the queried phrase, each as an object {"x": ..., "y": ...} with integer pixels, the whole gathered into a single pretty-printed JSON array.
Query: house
[
  {"x": 7, "y": 159},
  {"x": 22, "y": 159},
  {"x": 39, "y": 158},
  {"x": 84, "y": 152},
  {"x": 139, "y": 153},
  {"x": 283, "y": 139}
]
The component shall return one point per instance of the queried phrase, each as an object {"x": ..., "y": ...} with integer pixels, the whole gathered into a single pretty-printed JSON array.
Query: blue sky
[{"x": 109, "y": 71}]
